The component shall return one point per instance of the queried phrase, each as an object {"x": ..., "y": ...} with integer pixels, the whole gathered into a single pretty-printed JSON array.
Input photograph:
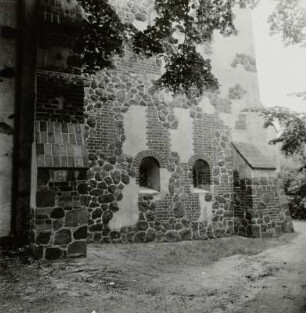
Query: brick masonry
[
  {"x": 176, "y": 216},
  {"x": 59, "y": 212},
  {"x": 261, "y": 207},
  {"x": 82, "y": 172}
]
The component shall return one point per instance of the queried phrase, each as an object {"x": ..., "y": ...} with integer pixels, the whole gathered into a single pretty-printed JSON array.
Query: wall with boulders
[
  {"x": 177, "y": 211},
  {"x": 60, "y": 217},
  {"x": 59, "y": 182},
  {"x": 261, "y": 207},
  {"x": 8, "y": 23},
  {"x": 128, "y": 119},
  {"x": 91, "y": 135},
  {"x": 59, "y": 213}
]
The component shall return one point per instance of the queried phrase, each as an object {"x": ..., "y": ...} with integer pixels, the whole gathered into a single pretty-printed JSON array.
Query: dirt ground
[{"x": 232, "y": 275}]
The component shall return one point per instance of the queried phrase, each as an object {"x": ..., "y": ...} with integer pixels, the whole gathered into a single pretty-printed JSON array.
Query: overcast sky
[{"x": 281, "y": 70}]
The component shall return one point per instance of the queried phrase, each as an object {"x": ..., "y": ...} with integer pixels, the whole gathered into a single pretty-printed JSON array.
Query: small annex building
[{"x": 110, "y": 159}]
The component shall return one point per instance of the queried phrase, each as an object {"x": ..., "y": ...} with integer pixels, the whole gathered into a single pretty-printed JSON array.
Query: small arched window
[
  {"x": 201, "y": 175},
  {"x": 149, "y": 174}
]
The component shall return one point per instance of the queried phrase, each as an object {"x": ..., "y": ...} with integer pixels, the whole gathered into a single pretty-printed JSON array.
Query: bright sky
[{"x": 281, "y": 70}]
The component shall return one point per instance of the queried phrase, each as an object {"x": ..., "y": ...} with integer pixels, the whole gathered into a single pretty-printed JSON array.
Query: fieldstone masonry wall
[
  {"x": 173, "y": 214},
  {"x": 59, "y": 212},
  {"x": 177, "y": 212},
  {"x": 8, "y": 25},
  {"x": 263, "y": 208},
  {"x": 84, "y": 173},
  {"x": 60, "y": 218}
]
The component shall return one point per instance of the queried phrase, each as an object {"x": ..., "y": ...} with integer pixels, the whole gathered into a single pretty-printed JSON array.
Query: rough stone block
[
  {"x": 53, "y": 253},
  {"x": 76, "y": 217},
  {"x": 256, "y": 231},
  {"x": 185, "y": 234},
  {"x": 43, "y": 238},
  {"x": 45, "y": 198},
  {"x": 80, "y": 233},
  {"x": 77, "y": 248},
  {"x": 62, "y": 237},
  {"x": 172, "y": 236},
  {"x": 140, "y": 237}
]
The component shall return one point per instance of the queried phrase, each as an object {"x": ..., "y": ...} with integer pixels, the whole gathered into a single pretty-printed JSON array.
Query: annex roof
[{"x": 253, "y": 156}]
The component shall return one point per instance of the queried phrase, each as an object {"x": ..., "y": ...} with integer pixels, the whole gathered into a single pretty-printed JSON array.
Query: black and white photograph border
[{"x": 152, "y": 156}]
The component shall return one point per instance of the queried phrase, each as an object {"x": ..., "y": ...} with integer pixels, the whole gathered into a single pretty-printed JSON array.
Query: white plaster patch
[
  {"x": 229, "y": 119},
  {"x": 206, "y": 209},
  {"x": 206, "y": 106},
  {"x": 181, "y": 138},
  {"x": 134, "y": 123},
  {"x": 165, "y": 176},
  {"x": 128, "y": 213}
]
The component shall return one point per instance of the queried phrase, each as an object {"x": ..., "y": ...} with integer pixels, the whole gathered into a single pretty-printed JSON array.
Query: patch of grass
[{"x": 205, "y": 252}]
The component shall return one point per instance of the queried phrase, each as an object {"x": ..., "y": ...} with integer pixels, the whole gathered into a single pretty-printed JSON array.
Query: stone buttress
[{"x": 59, "y": 216}]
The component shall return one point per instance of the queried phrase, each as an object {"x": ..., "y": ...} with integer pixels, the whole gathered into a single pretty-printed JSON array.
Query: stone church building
[{"x": 110, "y": 159}]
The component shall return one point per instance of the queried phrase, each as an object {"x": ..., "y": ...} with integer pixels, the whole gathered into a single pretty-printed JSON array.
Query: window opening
[
  {"x": 149, "y": 177},
  {"x": 201, "y": 175}
]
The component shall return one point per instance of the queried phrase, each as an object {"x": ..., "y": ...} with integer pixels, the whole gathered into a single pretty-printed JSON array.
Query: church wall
[
  {"x": 58, "y": 212},
  {"x": 90, "y": 137},
  {"x": 8, "y": 23},
  {"x": 127, "y": 119},
  {"x": 262, "y": 208}
]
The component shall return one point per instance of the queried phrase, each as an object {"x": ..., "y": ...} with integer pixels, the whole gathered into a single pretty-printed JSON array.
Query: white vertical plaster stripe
[
  {"x": 128, "y": 213},
  {"x": 206, "y": 209},
  {"x": 134, "y": 123},
  {"x": 181, "y": 138}
]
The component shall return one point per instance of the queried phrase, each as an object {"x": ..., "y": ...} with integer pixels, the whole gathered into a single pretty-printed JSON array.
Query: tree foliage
[
  {"x": 179, "y": 28},
  {"x": 292, "y": 138},
  {"x": 102, "y": 35},
  {"x": 289, "y": 20}
]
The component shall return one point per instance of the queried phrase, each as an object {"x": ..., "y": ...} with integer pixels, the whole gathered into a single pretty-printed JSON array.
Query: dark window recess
[
  {"x": 201, "y": 175},
  {"x": 7, "y": 72},
  {"x": 149, "y": 174},
  {"x": 8, "y": 32}
]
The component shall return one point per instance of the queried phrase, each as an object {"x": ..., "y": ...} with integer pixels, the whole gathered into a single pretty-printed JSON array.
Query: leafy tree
[
  {"x": 292, "y": 139},
  {"x": 101, "y": 36},
  {"x": 179, "y": 28},
  {"x": 289, "y": 20},
  {"x": 193, "y": 21},
  {"x": 293, "y": 130}
]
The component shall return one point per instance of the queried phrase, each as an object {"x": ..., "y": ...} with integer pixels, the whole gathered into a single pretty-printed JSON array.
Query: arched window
[
  {"x": 149, "y": 174},
  {"x": 201, "y": 175}
]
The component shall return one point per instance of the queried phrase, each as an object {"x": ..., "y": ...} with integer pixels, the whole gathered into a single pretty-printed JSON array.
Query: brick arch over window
[
  {"x": 200, "y": 166},
  {"x": 150, "y": 153},
  {"x": 162, "y": 160},
  {"x": 201, "y": 156},
  {"x": 201, "y": 174}
]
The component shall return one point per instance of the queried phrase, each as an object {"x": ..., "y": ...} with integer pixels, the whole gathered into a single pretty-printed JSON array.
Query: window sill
[
  {"x": 198, "y": 190},
  {"x": 144, "y": 190}
]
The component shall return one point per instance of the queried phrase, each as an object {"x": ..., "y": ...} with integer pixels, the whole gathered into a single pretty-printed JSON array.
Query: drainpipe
[{"x": 18, "y": 101}]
